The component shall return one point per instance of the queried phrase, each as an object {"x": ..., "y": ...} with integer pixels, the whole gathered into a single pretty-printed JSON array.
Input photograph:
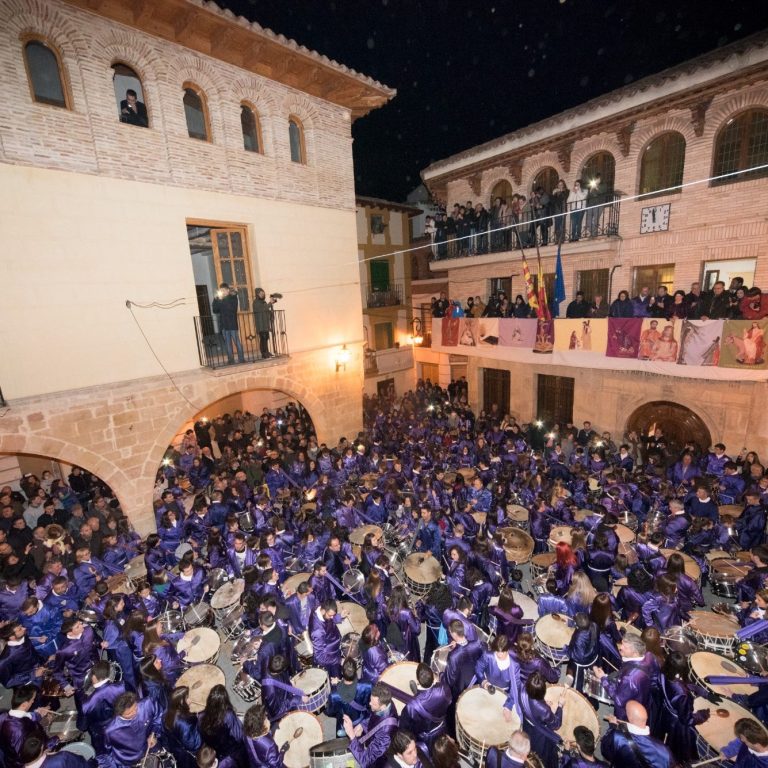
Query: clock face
[{"x": 655, "y": 218}]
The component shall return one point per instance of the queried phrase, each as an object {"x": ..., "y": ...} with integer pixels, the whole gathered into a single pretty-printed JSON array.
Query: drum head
[
  {"x": 718, "y": 730},
  {"x": 712, "y": 624},
  {"x": 358, "y": 535},
  {"x": 246, "y": 648},
  {"x": 200, "y": 680},
  {"x": 227, "y": 594},
  {"x": 544, "y": 559},
  {"x": 422, "y": 569},
  {"x": 199, "y": 645},
  {"x": 330, "y": 748},
  {"x": 518, "y": 544},
  {"x": 553, "y": 630},
  {"x": 399, "y": 676},
  {"x": 291, "y": 584},
  {"x": 561, "y": 533},
  {"x": 302, "y": 731},
  {"x": 310, "y": 680},
  {"x": 86, "y": 751},
  {"x": 517, "y": 513},
  {"x": 704, "y": 664},
  {"x": 479, "y": 715},
  {"x": 529, "y": 606},
  {"x": 691, "y": 566},
  {"x": 576, "y": 711},
  {"x": 625, "y": 534},
  {"x": 356, "y": 620}
]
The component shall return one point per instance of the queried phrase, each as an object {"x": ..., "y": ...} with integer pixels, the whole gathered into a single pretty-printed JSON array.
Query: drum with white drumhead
[
  {"x": 421, "y": 571},
  {"x": 439, "y": 660},
  {"x": 300, "y": 731},
  {"x": 480, "y": 723},
  {"x": 398, "y": 677},
  {"x": 316, "y": 686},
  {"x": 713, "y": 734},
  {"x": 518, "y": 544},
  {"x": 199, "y": 646},
  {"x": 712, "y": 631},
  {"x": 200, "y": 679},
  {"x": 576, "y": 711},
  {"x": 692, "y": 568},
  {"x": 199, "y": 615},
  {"x": 355, "y": 620},
  {"x": 331, "y": 754},
  {"x": 724, "y": 576},
  {"x": 226, "y": 597},
  {"x": 518, "y": 516},
  {"x": 291, "y": 584},
  {"x": 552, "y": 634},
  {"x": 705, "y": 664}
]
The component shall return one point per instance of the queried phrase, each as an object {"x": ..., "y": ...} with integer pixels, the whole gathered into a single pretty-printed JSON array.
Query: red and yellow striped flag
[
  {"x": 542, "y": 309},
  {"x": 529, "y": 292}
]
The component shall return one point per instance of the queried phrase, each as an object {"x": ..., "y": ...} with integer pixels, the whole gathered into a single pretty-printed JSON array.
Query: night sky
[{"x": 470, "y": 72}]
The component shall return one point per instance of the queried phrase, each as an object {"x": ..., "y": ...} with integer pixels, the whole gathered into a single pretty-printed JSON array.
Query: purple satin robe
[{"x": 125, "y": 741}]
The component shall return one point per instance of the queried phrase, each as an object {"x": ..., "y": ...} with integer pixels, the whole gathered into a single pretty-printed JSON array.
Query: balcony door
[{"x": 379, "y": 275}]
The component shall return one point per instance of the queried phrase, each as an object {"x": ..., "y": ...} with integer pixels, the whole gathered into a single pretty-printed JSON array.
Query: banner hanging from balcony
[{"x": 701, "y": 349}]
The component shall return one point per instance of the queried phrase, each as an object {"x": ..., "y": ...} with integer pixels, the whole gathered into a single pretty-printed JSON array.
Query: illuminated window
[
  {"x": 44, "y": 71},
  {"x": 602, "y": 163},
  {"x": 742, "y": 143}
]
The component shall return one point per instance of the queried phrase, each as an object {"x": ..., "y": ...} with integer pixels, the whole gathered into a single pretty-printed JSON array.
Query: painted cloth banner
[{"x": 729, "y": 350}]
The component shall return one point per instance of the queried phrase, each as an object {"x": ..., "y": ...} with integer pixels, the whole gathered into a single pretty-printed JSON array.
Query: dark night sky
[{"x": 469, "y": 72}]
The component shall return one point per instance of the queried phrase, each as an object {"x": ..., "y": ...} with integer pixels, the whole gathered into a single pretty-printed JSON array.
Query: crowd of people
[
  {"x": 736, "y": 303},
  {"x": 257, "y": 499}
]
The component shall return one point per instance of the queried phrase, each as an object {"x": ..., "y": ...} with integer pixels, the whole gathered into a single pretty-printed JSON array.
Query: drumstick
[{"x": 707, "y": 762}]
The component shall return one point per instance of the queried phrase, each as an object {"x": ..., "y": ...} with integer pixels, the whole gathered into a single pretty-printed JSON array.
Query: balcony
[
  {"x": 389, "y": 296},
  {"x": 509, "y": 232},
  {"x": 387, "y": 360},
  {"x": 212, "y": 344}
]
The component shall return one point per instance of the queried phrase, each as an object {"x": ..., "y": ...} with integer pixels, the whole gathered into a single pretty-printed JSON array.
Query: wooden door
[
  {"x": 678, "y": 423},
  {"x": 230, "y": 256},
  {"x": 496, "y": 385},
  {"x": 554, "y": 401}
]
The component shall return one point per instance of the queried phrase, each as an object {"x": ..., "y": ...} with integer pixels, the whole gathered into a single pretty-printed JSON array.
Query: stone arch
[
  {"x": 253, "y": 91},
  {"x": 732, "y": 106},
  {"x": 533, "y": 166},
  {"x": 490, "y": 181},
  {"x": 585, "y": 150},
  {"x": 679, "y": 422},
  {"x": 307, "y": 113},
  {"x": 644, "y": 137}
]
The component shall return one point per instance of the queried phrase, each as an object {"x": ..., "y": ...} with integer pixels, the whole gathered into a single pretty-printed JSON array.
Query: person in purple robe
[
  {"x": 34, "y": 755},
  {"x": 530, "y": 661},
  {"x": 190, "y": 585},
  {"x": 498, "y": 669},
  {"x": 599, "y": 561},
  {"x": 98, "y": 708},
  {"x": 375, "y": 658},
  {"x": 425, "y": 714},
  {"x": 181, "y": 733},
  {"x": 540, "y": 721},
  {"x": 18, "y": 660},
  {"x": 462, "y": 659},
  {"x": 610, "y": 637},
  {"x": 461, "y": 613},
  {"x": 514, "y": 756},
  {"x": 750, "y": 747},
  {"x": 633, "y": 681},
  {"x": 326, "y": 638},
  {"x": 278, "y": 695},
  {"x": 649, "y": 554},
  {"x": 300, "y": 605},
  {"x": 370, "y": 739},
  {"x": 662, "y": 610},
  {"x": 404, "y": 626},
  {"x": 78, "y": 651},
  {"x": 678, "y": 719},
  {"x": 260, "y": 746},
  {"x": 13, "y": 593},
  {"x": 220, "y": 727},
  {"x": 88, "y": 571},
  {"x": 550, "y": 601},
  {"x": 239, "y": 556},
  {"x": 19, "y": 723},
  {"x": 688, "y": 591},
  {"x": 508, "y": 615},
  {"x": 750, "y": 525},
  {"x": 457, "y": 567},
  {"x": 581, "y": 753},
  {"x": 130, "y": 734},
  {"x": 629, "y": 744},
  {"x": 757, "y": 578},
  {"x": 155, "y": 686},
  {"x": 583, "y": 650},
  {"x": 322, "y": 588}
]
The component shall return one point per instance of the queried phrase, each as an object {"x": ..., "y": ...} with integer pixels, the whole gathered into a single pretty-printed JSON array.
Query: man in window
[
  {"x": 225, "y": 305},
  {"x": 133, "y": 111}
]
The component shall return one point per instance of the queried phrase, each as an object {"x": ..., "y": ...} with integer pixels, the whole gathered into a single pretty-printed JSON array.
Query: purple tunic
[
  {"x": 125, "y": 741},
  {"x": 263, "y": 752},
  {"x": 375, "y": 661}
]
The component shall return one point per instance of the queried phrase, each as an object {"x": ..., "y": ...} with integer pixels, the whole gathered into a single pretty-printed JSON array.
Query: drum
[
  {"x": 233, "y": 624},
  {"x": 440, "y": 659},
  {"x": 518, "y": 516},
  {"x": 468, "y": 473},
  {"x": 305, "y": 651},
  {"x": 559, "y": 533},
  {"x": 170, "y": 622},
  {"x": 730, "y": 510},
  {"x": 291, "y": 584},
  {"x": 245, "y": 521},
  {"x": 594, "y": 689},
  {"x": 580, "y": 515},
  {"x": 201, "y": 646},
  {"x": 353, "y": 581},
  {"x": 200, "y": 679},
  {"x": 199, "y": 615},
  {"x": 717, "y": 554},
  {"x": 678, "y": 639},
  {"x": 480, "y": 723},
  {"x": 753, "y": 657},
  {"x": 357, "y": 536},
  {"x": 629, "y": 520},
  {"x": 316, "y": 686},
  {"x": 691, "y": 566},
  {"x": 115, "y": 675},
  {"x": 480, "y": 518},
  {"x": 541, "y": 563},
  {"x": 246, "y": 687},
  {"x": 119, "y": 583},
  {"x": 182, "y": 550},
  {"x": 300, "y": 731},
  {"x": 625, "y": 534},
  {"x": 216, "y": 578},
  {"x": 136, "y": 570},
  {"x": 160, "y": 758},
  {"x": 246, "y": 647},
  {"x": 724, "y": 576},
  {"x": 704, "y": 664},
  {"x": 627, "y": 548},
  {"x": 618, "y": 584},
  {"x": 518, "y": 545},
  {"x": 350, "y": 648},
  {"x": 712, "y": 631},
  {"x": 552, "y": 635},
  {"x": 226, "y": 597},
  {"x": 715, "y": 733},
  {"x": 530, "y": 610},
  {"x": 63, "y": 724},
  {"x": 369, "y": 480},
  {"x": 80, "y": 748},
  {"x": 331, "y": 754},
  {"x": 398, "y": 678},
  {"x": 576, "y": 711},
  {"x": 356, "y": 619},
  {"x": 421, "y": 571},
  {"x": 88, "y": 616}
]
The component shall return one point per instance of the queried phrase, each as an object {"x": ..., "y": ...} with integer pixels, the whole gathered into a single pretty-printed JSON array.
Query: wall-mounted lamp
[
  {"x": 342, "y": 358},
  {"x": 416, "y": 338}
]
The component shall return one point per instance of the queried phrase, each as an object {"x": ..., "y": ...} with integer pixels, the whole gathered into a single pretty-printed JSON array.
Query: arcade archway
[{"x": 678, "y": 423}]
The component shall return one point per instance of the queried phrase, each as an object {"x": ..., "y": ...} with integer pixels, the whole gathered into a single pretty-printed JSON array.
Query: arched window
[
  {"x": 249, "y": 121},
  {"x": 44, "y": 71},
  {"x": 547, "y": 178},
  {"x": 662, "y": 163},
  {"x": 602, "y": 163},
  {"x": 296, "y": 138},
  {"x": 196, "y": 112},
  {"x": 502, "y": 189},
  {"x": 129, "y": 96},
  {"x": 742, "y": 143}
]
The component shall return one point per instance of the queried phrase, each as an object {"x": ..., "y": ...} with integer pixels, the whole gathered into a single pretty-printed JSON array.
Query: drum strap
[
  {"x": 387, "y": 722},
  {"x": 270, "y": 682}
]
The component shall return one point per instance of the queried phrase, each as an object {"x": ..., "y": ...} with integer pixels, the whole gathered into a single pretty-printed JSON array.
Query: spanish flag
[{"x": 529, "y": 292}]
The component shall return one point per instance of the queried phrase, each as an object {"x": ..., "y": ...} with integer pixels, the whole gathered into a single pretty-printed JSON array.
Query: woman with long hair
[
  {"x": 404, "y": 626},
  {"x": 508, "y": 615},
  {"x": 600, "y": 560},
  {"x": 529, "y": 660},
  {"x": 583, "y": 649},
  {"x": 220, "y": 728},
  {"x": 115, "y": 641},
  {"x": 662, "y": 610},
  {"x": 565, "y": 564},
  {"x": 445, "y": 753},
  {"x": 540, "y": 721},
  {"x": 181, "y": 733},
  {"x": 164, "y": 650},
  {"x": 688, "y": 591},
  {"x": 457, "y": 566},
  {"x": 580, "y": 594},
  {"x": 610, "y": 637},
  {"x": 154, "y": 685},
  {"x": 633, "y": 595}
]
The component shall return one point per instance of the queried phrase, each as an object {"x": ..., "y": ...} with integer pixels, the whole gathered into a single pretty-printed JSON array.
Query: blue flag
[{"x": 559, "y": 286}]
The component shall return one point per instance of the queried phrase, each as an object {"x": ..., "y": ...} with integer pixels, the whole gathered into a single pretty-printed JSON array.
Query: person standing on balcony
[
  {"x": 578, "y": 307},
  {"x": 577, "y": 203},
  {"x": 440, "y": 307},
  {"x": 596, "y": 196},
  {"x": 559, "y": 205},
  {"x": 540, "y": 203},
  {"x": 225, "y": 305},
  {"x": 263, "y": 318},
  {"x": 715, "y": 304}
]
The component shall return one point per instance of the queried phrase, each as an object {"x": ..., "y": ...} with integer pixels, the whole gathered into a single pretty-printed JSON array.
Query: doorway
[
  {"x": 678, "y": 424},
  {"x": 496, "y": 386},
  {"x": 554, "y": 399}
]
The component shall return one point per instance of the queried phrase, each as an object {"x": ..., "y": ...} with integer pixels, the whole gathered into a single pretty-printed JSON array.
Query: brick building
[
  {"x": 240, "y": 171},
  {"x": 656, "y": 144}
]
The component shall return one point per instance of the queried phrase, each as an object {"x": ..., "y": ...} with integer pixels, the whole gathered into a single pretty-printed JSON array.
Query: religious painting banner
[
  {"x": 516, "y": 332},
  {"x": 582, "y": 335},
  {"x": 624, "y": 337},
  {"x": 743, "y": 344},
  {"x": 700, "y": 342},
  {"x": 545, "y": 336},
  {"x": 658, "y": 341}
]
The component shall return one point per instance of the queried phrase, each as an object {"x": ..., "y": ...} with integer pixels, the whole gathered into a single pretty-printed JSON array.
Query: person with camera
[
  {"x": 133, "y": 111},
  {"x": 225, "y": 305},
  {"x": 263, "y": 318}
]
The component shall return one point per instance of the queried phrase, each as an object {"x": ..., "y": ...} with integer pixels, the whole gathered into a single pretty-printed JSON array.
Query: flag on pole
[
  {"x": 542, "y": 311},
  {"x": 559, "y": 285},
  {"x": 530, "y": 294}
]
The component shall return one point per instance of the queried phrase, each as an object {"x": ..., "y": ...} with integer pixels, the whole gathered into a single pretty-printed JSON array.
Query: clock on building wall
[{"x": 655, "y": 218}]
